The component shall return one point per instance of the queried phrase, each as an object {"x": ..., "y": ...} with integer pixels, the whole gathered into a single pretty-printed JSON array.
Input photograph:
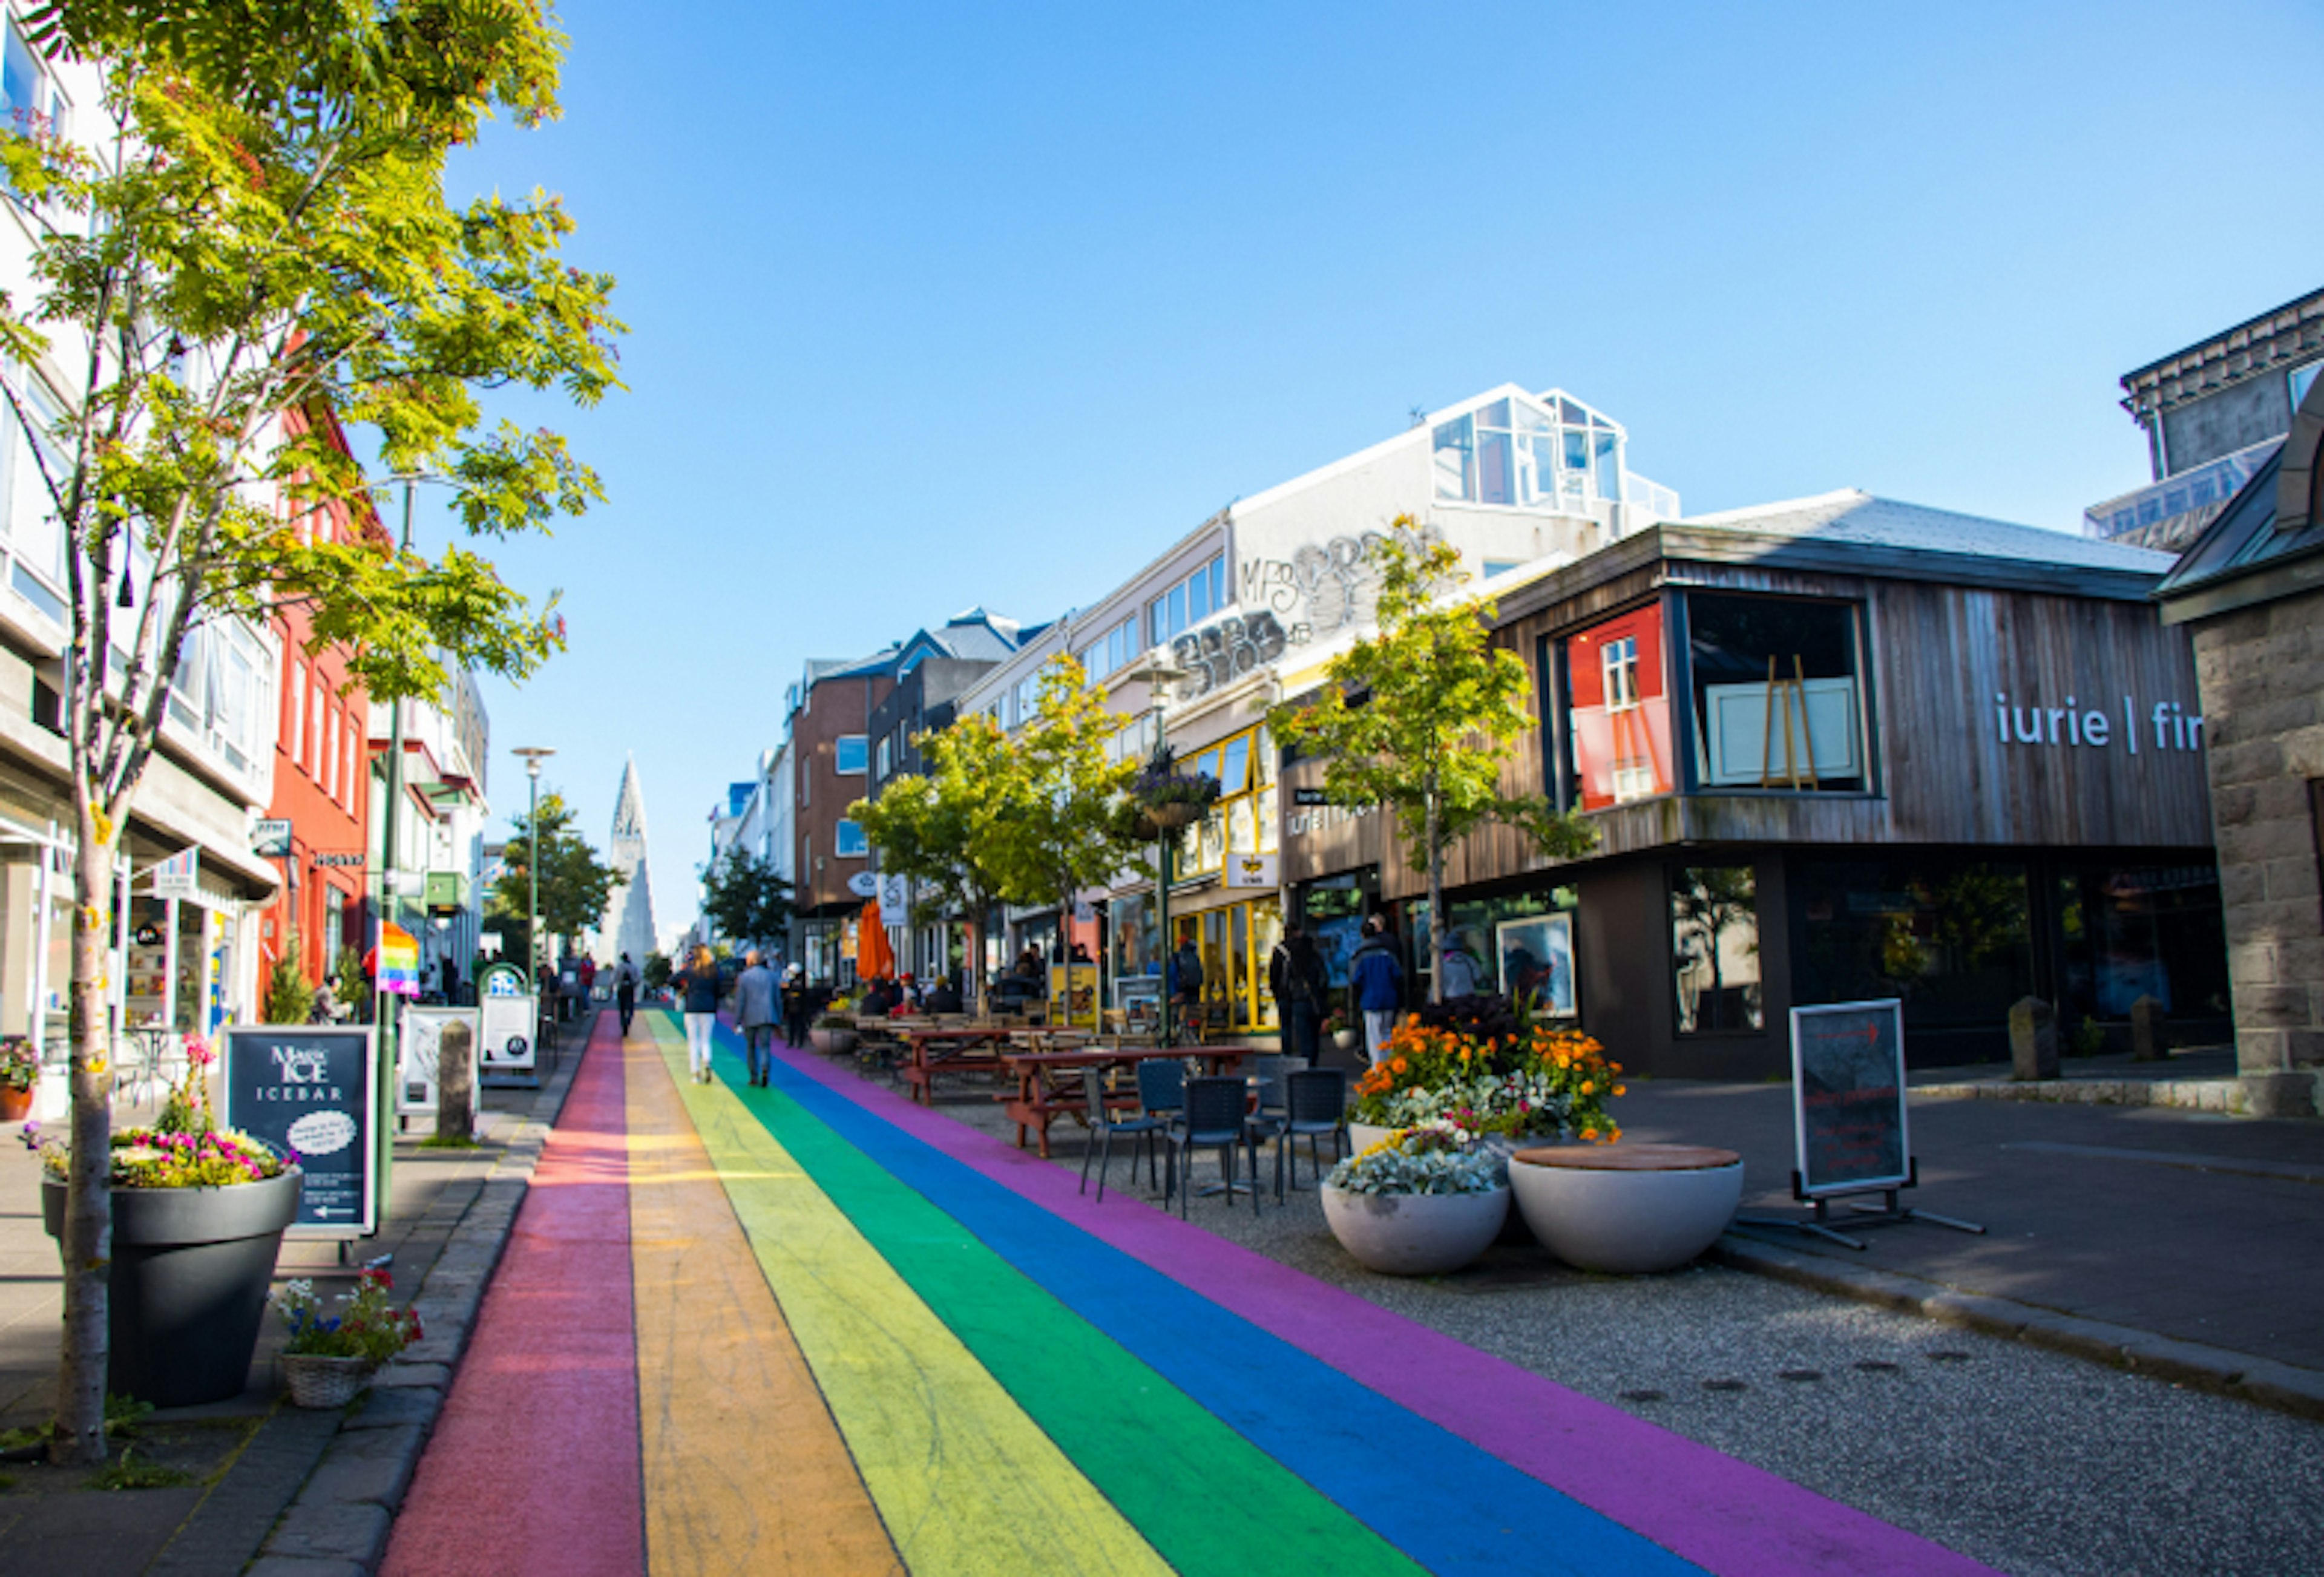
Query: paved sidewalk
[{"x": 2195, "y": 1226}]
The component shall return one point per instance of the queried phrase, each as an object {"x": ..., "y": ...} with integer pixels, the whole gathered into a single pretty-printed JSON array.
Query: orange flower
[
  {"x": 1399, "y": 1065},
  {"x": 1590, "y": 1133},
  {"x": 1589, "y": 1087},
  {"x": 1621, "y": 1090}
]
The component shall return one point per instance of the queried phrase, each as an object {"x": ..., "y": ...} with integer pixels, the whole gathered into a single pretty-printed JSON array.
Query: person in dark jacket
[
  {"x": 625, "y": 992},
  {"x": 944, "y": 997},
  {"x": 1376, "y": 981},
  {"x": 798, "y": 1007},
  {"x": 1297, "y": 976},
  {"x": 697, "y": 988}
]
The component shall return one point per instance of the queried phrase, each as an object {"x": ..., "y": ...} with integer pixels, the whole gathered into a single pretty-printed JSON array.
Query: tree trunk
[
  {"x": 1435, "y": 900},
  {"x": 86, "y": 1246}
]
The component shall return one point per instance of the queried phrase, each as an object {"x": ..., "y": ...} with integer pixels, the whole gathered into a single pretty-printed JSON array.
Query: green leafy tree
[
  {"x": 658, "y": 971},
  {"x": 1076, "y": 837},
  {"x": 744, "y": 897},
  {"x": 1419, "y": 717},
  {"x": 288, "y": 998},
  {"x": 949, "y": 828},
  {"x": 253, "y": 223},
  {"x": 574, "y": 882}
]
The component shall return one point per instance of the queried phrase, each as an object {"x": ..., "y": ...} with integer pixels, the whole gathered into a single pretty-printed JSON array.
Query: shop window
[
  {"x": 2144, "y": 931},
  {"x": 1333, "y": 910},
  {"x": 1188, "y": 602},
  {"x": 1715, "y": 948},
  {"x": 849, "y": 843},
  {"x": 1243, "y": 821},
  {"x": 1618, "y": 722},
  {"x": 1778, "y": 700},
  {"x": 1951, "y": 937},
  {"x": 1235, "y": 942}
]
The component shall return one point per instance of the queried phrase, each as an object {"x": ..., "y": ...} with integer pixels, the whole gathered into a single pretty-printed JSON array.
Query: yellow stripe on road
[
  {"x": 744, "y": 1471},
  {"x": 966, "y": 1483}
]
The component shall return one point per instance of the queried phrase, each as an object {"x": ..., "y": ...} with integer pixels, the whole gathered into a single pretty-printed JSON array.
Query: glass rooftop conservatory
[{"x": 1545, "y": 452}]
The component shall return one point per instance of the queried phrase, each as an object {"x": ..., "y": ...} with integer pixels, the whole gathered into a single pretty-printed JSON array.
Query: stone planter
[
  {"x": 832, "y": 1042},
  {"x": 1347, "y": 1039},
  {"x": 15, "y": 1106},
  {"x": 1627, "y": 1209},
  {"x": 1414, "y": 1235},
  {"x": 1362, "y": 1136},
  {"x": 190, "y": 1268}
]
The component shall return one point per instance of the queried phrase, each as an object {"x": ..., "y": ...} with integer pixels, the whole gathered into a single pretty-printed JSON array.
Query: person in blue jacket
[{"x": 1376, "y": 981}]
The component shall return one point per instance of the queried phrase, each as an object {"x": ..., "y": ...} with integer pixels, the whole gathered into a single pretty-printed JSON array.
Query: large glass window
[
  {"x": 1555, "y": 453},
  {"x": 1715, "y": 948},
  {"x": 1235, "y": 942},
  {"x": 1617, "y": 706},
  {"x": 1188, "y": 602},
  {"x": 1779, "y": 702},
  {"x": 1243, "y": 821},
  {"x": 849, "y": 754},
  {"x": 849, "y": 843},
  {"x": 2144, "y": 931},
  {"x": 1951, "y": 937}
]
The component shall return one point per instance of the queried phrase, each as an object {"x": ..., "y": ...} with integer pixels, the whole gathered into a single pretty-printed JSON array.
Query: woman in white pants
[{"x": 698, "y": 989}]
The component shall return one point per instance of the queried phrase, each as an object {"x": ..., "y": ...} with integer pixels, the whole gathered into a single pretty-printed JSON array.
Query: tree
[
  {"x": 1419, "y": 717},
  {"x": 289, "y": 999},
  {"x": 574, "y": 882},
  {"x": 1078, "y": 837},
  {"x": 949, "y": 828},
  {"x": 658, "y": 971},
  {"x": 744, "y": 897},
  {"x": 256, "y": 226}
]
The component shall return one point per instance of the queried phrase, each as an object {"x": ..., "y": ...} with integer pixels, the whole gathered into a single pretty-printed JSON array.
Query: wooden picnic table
[
  {"x": 1043, "y": 1096},
  {"x": 957, "y": 1048}
]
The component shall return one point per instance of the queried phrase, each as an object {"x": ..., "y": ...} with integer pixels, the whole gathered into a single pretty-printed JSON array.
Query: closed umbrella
[{"x": 874, "y": 959}]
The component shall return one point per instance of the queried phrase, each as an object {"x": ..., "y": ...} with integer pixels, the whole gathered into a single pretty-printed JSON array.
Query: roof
[
  {"x": 2242, "y": 559},
  {"x": 1854, "y": 516}
]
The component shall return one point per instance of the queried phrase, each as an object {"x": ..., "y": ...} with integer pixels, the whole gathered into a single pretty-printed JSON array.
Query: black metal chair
[
  {"x": 1316, "y": 1104},
  {"x": 1161, "y": 1086},
  {"x": 1268, "y": 1115},
  {"x": 1213, "y": 1115},
  {"x": 1104, "y": 1124}
]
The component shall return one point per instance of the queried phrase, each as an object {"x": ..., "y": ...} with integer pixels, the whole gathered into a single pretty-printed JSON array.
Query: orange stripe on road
[{"x": 744, "y": 1470}]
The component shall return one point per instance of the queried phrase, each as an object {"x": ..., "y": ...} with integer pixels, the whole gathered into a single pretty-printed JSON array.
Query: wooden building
[{"x": 1834, "y": 750}]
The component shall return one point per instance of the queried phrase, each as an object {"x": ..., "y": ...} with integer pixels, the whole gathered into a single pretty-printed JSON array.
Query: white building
[{"x": 437, "y": 867}]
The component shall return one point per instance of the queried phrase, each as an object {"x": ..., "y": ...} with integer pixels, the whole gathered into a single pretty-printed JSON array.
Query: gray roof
[
  {"x": 2241, "y": 559},
  {"x": 1855, "y": 517}
]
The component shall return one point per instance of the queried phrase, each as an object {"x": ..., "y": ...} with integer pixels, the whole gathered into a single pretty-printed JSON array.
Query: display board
[
  {"x": 1073, "y": 993},
  {"x": 417, "y": 1087},
  {"x": 1847, "y": 1097},
  {"x": 311, "y": 1089},
  {"x": 504, "y": 1035}
]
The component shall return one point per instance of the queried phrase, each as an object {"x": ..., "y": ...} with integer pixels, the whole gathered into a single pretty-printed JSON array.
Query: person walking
[
  {"x": 625, "y": 992},
  {"x": 1297, "y": 976},
  {"x": 697, "y": 988},
  {"x": 1465, "y": 973},
  {"x": 1185, "y": 981},
  {"x": 1376, "y": 981},
  {"x": 798, "y": 1007},
  {"x": 755, "y": 1007}
]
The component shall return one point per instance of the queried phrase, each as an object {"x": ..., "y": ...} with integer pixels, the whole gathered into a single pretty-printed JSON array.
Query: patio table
[
  {"x": 930, "y": 1050},
  {"x": 1048, "y": 1083}
]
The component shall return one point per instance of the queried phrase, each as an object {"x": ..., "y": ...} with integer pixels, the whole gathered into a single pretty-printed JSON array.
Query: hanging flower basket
[
  {"x": 1163, "y": 800},
  {"x": 318, "y": 1379},
  {"x": 1169, "y": 816}
]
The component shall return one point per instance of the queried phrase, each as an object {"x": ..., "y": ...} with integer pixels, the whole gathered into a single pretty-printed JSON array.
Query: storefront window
[
  {"x": 1520, "y": 944},
  {"x": 1777, "y": 698},
  {"x": 1235, "y": 942},
  {"x": 1333, "y": 910},
  {"x": 1715, "y": 948},
  {"x": 2144, "y": 931},
  {"x": 1243, "y": 821},
  {"x": 1951, "y": 937},
  {"x": 1618, "y": 721}
]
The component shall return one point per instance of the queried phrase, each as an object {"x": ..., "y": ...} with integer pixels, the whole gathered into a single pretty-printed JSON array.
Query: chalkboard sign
[
  {"x": 1847, "y": 1097},
  {"x": 307, "y": 1088}
]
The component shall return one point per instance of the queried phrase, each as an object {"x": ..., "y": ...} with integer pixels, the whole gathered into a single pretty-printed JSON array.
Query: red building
[{"x": 321, "y": 768}]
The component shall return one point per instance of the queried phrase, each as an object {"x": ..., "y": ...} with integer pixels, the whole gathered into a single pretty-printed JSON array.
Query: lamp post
[
  {"x": 1159, "y": 674},
  {"x": 383, "y": 1014},
  {"x": 533, "y": 754}
]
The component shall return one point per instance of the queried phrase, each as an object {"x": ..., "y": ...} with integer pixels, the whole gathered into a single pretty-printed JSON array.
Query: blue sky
[{"x": 932, "y": 307}]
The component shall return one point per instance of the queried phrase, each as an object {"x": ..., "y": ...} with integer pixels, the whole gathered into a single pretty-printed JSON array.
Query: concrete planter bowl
[
  {"x": 1626, "y": 1209},
  {"x": 832, "y": 1042},
  {"x": 1414, "y": 1235},
  {"x": 190, "y": 1268}
]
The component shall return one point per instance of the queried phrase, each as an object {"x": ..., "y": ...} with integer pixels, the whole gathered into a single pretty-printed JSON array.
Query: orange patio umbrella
[{"x": 874, "y": 959}]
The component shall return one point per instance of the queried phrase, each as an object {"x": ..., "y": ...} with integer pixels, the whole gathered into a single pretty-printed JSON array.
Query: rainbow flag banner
[
  {"x": 813, "y": 1328},
  {"x": 399, "y": 961}
]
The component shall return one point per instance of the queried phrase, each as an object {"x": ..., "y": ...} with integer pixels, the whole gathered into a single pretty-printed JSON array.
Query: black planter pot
[{"x": 190, "y": 1270}]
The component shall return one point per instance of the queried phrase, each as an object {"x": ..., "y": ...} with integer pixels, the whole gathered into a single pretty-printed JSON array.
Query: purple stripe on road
[{"x": 1725, "y": 1514}]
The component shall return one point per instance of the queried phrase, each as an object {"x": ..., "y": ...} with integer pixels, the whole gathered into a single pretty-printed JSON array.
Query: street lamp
[
  {"x": 533, "y": 756},
  {"x": 1160, "y": 673}
]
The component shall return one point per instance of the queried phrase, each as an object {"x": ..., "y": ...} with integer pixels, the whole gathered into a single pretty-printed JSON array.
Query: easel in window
[{"x": 1788, "y": 693}]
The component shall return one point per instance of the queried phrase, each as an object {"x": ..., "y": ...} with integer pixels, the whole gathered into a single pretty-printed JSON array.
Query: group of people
[{"x": 1300, "y": 980}]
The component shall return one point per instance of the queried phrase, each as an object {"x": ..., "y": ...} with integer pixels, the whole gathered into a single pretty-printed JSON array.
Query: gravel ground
[{"x": 2034, "y": 1463}]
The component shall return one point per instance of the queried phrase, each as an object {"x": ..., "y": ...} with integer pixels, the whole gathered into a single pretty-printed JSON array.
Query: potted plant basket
[
  {"x": 1422, "y": 1201},
  {"x": 330, "y": 1358},
  {"x": 833, "y": 1036},
  {"x": 1163, "y": 800},
  {"x": 20, "y": 1076},
  {"x": 198, "y": 1213},
  {"x": 1342, "y": 1034}
]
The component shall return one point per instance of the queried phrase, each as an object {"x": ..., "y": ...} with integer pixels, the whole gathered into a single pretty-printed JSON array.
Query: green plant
[
  {"x": 183, "y": 1147},
  {"x": 128, "y": 1473},
  {"x": 1433, "y": 1158},
  {"x": 367, "y": 1325},
  {"x": 2090, "y": 1038},
  {"x": 20, "y": 1065},
  {"x": 290, "y": 999},
  {"x": 1527, "y": 1080},
  {"x": 347, "y": 981},
  {"x": 449, "y": 1141}
]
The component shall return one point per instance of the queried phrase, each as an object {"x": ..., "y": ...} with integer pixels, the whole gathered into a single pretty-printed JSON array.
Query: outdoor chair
[
  {"x": 1267, "y": 1116},
  {"x": 1104, "y": 1124},
  {"x": 1161, "y": 1087},
  {"x": 1213, "y": 1116},
  {"x": 1317, "y": 1105}
]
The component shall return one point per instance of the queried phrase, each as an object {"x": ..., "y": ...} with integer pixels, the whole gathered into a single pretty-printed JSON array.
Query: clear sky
[{"x": 940, "y": 306}]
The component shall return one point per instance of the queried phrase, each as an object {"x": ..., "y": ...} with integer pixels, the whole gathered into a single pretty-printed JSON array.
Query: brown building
[
  {"x": 830, "y": 724},
  {"x": 2251, "y": 589},
  {"x": 1837, "y": 749}
]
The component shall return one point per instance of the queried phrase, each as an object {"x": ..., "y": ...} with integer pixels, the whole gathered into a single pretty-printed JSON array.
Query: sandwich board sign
[
  {"x": 308, "y": 1091},
  {"x": 417, "y": 1086},
  {"x": 1848, "y": 1098}
]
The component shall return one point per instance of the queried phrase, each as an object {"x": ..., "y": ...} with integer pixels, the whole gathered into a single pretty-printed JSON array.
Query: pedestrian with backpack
[{"x": 1376, "y": 981}]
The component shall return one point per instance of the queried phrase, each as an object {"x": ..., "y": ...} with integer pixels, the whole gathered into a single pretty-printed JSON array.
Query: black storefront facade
[{"x": 1832, "y": 754}]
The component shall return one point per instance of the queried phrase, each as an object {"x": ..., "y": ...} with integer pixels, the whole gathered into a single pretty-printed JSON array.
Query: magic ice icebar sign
[{"x": 307, "y": 1089}]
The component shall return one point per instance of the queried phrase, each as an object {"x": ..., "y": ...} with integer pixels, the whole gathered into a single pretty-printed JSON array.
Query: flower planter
[
  {"x": 832, "y": 1042},
  {"x": 190, "y": 1268},
  {"x": 1362, "y": 1136},
  {"x": 1170, "y": 817},
  {"x": 1627, "y": 1209},
  {"x": 15, "y": 1106},
  {"x": 1414, "y": 1235},
  {"x": 1347, "y": 1039},
  {"x": 318, "y": 1379}
]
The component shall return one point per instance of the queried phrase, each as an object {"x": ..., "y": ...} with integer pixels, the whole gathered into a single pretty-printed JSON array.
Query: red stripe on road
[{"x": 534, "y": 1464}]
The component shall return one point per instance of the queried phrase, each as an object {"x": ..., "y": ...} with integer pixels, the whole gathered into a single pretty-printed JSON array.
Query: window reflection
[{"x": 1715, "y": 948}]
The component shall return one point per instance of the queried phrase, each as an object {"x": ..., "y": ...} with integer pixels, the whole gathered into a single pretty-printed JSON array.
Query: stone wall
[{"x": 2262, "y": 673}]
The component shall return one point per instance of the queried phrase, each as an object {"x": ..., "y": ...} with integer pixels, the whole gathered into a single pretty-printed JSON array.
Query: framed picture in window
[{"x": 1537, "y": 963}]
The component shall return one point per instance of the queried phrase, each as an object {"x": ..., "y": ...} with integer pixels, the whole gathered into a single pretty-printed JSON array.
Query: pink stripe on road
[
  {"x": 534, "y": 1465},
  {"x": 1724, "y": 1515}
]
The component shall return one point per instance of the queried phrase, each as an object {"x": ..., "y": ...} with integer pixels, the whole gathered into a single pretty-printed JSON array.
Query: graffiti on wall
[
  {"x": 1323, "y": 588},
  {"x": 1227, "y": 648}
]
